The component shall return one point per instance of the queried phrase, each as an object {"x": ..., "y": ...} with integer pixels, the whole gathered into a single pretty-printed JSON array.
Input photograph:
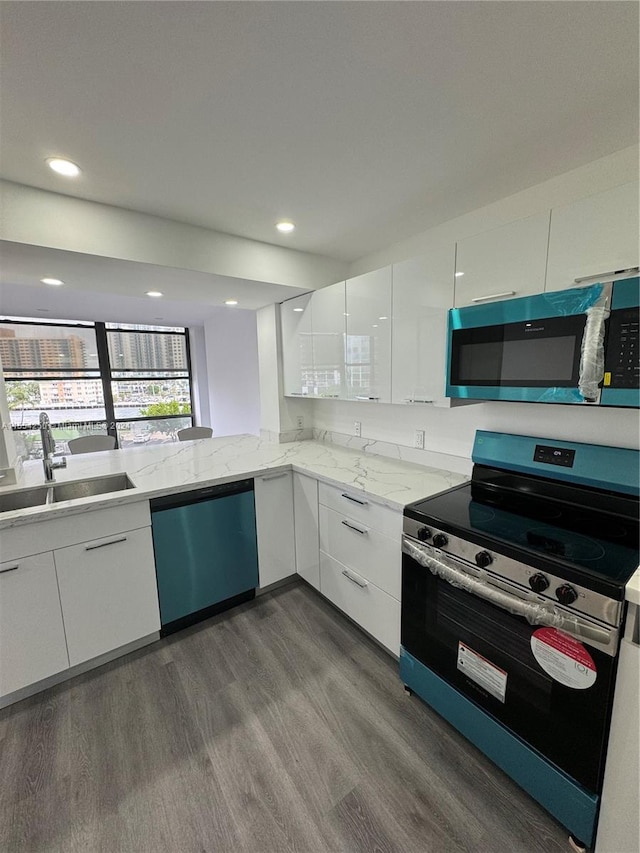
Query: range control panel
[{"x": 622, "y": 364}]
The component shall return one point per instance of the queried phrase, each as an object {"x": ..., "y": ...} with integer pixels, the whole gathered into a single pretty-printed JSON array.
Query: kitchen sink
[
  {"x": 88, "y": 488},
  {"x": 23, "y": 498}
]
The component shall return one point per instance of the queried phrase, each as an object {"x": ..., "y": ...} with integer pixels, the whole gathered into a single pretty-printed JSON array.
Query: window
[{"x": 131, "y": 381}]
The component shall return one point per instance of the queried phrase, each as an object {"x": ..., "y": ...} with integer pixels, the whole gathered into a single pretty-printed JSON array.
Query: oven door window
[
  {"x": 537, "y": 354},
  {"x": 485, "y": 653}
]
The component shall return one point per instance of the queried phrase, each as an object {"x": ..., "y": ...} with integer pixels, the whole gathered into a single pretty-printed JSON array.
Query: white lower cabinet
[
  {"x": 108, "y": 593},
  {"x": 305, "y": 511},
  {"x": 368, "y": 606},
  {"x": 362, "y": 548},
  {"x": 274, "y": 527},
  {"x": 32, "y": 643}
]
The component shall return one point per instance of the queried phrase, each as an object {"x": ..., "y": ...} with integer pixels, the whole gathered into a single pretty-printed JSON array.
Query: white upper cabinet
[
  {"x": 297, "y": 349},
  {"x": 422, "y": 294},
  {"x": 328, "y": 331},
  {"x": 504, "y": 263},
  {"x": 593, "y": 236},
  {"x": 368, "y": 342}
]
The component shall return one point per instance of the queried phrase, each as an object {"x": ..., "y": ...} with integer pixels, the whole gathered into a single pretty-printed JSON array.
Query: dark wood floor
[{"x": 274, "y": 727}]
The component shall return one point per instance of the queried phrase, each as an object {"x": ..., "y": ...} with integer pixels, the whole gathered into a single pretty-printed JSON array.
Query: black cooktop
[{"x": 592, "y": 540}]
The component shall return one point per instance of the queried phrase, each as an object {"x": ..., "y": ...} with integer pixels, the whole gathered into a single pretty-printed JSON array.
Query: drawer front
[
  {"x": 362, "y": 601},
  {"x": 32, "y": 643},
  {"x": 49, "y": 534},
  {"x": 358, "y": 506},
  {"x": 376, "y": 557},
  {"x": 108, "y": 593}
]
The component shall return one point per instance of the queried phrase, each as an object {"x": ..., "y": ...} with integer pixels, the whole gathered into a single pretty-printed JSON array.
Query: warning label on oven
[
  {"x": 566, "y": 660},
  {"x": 482, "y": 671}
]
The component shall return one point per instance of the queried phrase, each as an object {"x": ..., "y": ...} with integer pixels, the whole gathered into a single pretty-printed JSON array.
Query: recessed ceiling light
[
  {"x": 375, "y": 326},
  {"x": 154, "y": 293},
  {"x": 230, "y": 301},
  {"x": 285, "y": 227},
  {"x": 63, "y": 167},
  {"x": 383, "y": 318},
  {"x": 298, "y": 309},
  {"x": 54, "y": 282},
  {"x": 458, "y": 274}
]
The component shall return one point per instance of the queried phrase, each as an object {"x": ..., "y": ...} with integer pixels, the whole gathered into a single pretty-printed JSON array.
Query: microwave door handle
[
  {"x": 592, "y": 352},
  {"x": 535, "y": 614}
]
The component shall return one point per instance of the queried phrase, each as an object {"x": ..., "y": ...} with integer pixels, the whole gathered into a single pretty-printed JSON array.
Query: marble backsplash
[{"x": 458, "y": 464}]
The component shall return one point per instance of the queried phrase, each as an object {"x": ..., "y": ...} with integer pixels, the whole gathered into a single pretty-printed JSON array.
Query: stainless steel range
[{"x": 512, "y": 605}]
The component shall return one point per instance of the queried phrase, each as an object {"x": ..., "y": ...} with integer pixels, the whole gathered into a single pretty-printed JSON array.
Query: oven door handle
[{"x": 534, "y": 613}]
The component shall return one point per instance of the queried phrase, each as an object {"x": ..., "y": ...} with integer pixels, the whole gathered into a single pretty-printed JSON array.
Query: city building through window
[{"x": 132, "y": 381}]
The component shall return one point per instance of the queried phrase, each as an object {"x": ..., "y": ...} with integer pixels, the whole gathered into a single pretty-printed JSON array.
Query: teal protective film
[
  {"x": 572, "y": 805},
  {"x": 515, "y": 395},
  {"x": 205, "y": 553},
  {"x": 621, "y": 397},
  {"x": 558, "y": 303},
  {"x": 615, "y": 468},
  {"x": 626, "y": 293}
]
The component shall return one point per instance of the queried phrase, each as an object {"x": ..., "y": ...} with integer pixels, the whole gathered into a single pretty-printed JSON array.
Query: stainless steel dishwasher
[{"x": 206, "y": 552}]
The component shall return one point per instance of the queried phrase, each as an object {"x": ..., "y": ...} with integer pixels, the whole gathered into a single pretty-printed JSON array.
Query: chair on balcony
[
  {"x": 92, "y": 443},
  {"x": 190, "y": 433}
]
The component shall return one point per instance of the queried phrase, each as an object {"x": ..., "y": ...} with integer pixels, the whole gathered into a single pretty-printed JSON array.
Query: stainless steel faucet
[{"x": 48, "y": 447}]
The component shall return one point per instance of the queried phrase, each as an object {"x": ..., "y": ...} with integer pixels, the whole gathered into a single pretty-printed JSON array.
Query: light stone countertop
[
  {"x": 182, "y": 466},
  {"x": 632, "y": 592}
]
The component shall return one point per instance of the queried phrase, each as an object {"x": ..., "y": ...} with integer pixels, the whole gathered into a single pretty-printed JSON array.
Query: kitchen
[{"x": 588, "y": 189}]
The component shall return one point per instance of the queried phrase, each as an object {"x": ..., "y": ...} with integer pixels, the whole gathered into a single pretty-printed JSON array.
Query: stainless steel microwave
[{"x": 569, "y": 346}]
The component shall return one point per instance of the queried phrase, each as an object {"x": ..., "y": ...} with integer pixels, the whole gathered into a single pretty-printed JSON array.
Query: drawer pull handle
[
  {"x": 417, "y": 400},
  {"x": 357, "y": 529},
  {"x": 104, "y": 544},
  {"x": 493, "y": 296},
  {"x": 9, "y": 569},
  {"x": 355, "y": 500},
  {"x": 275, "y": 476},
  {"x": 362, "y": 584}
]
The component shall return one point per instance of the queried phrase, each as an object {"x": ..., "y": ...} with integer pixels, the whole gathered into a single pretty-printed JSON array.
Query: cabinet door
[
  {"x": 368, "y": 343},
  {"x": 32, "y": 644},
  {"x": 297, "y": 349},
  {"x": 504, "y": 263},
  {"x": 595, "y": 235},
  {"x": 328, "y": 330},
  {"x": 368, "y": 606},
  {"x": 108, "y": 593},
  {"x": 305, "y": 512},
  {"x": 422, "y": 294},
  {"x": 274, "y": 527}
]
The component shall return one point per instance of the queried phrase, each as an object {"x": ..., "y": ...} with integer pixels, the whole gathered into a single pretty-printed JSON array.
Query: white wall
[
  {"x": 232, "y": 368},
  {"x": 33, "y": 216},
  {"x": 452, "y": 430}
]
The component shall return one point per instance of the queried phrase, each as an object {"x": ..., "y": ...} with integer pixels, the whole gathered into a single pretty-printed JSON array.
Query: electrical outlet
[
  {"x": 419, "y": 439},
  {"x": 357, "y": 428},
  {"x": 300, "y": 422}
]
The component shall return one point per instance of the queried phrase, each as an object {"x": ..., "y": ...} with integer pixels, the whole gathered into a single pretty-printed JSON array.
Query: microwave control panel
[{"x": 622, "y": 365}]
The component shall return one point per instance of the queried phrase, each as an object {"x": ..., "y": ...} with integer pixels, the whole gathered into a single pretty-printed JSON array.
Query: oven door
[{"x": 548, "y": 688}]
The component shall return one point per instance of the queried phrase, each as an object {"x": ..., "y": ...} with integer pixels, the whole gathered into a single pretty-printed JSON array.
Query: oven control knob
[
  {"x": 483, "y": 559},
  {"x": 440, "y": 540},
  {"x": 424, "y": 533},
  {"x": 566, "y": 594},
  {"x": 538, "y": 582}
]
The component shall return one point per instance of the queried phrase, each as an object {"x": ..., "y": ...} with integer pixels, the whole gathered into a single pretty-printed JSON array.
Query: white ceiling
[
  {"x": 113, "y": 290},
  {"x": 365, "y": 122}
]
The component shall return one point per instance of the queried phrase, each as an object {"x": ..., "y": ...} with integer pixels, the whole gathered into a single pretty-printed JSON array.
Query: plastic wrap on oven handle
[{"x": 535, "y": 614}]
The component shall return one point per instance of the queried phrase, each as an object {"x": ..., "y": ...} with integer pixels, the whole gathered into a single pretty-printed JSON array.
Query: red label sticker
[{"x": 566, "y": 660}]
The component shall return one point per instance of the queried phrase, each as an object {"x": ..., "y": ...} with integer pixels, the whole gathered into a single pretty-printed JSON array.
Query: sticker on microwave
[
  {"x": 482, "y": 671},
  {"x": 566, "y": 660}
]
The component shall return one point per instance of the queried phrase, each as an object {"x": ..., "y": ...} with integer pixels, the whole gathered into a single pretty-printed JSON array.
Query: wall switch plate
[
  {"x": 300, "y": 422},
  {"x": 419, "y": 439},
  {"x": 357, "y": 428}
]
